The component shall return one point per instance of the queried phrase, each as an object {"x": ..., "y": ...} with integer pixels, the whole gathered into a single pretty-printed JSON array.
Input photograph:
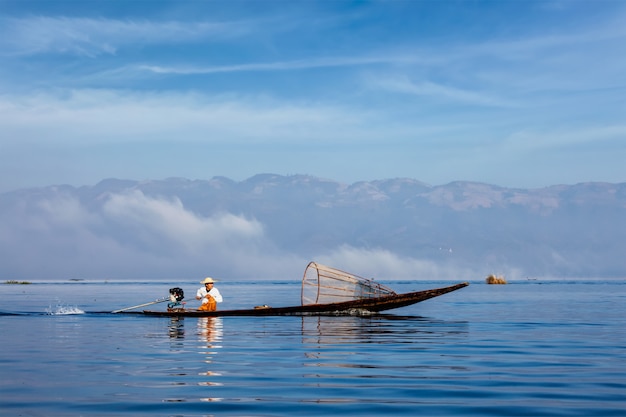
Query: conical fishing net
[{"x": 322, "y": 285}]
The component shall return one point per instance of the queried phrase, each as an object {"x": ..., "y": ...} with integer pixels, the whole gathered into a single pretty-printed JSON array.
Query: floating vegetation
[
  {"x": 493, "y": 279},
  {"x": 13, "y": 282}
]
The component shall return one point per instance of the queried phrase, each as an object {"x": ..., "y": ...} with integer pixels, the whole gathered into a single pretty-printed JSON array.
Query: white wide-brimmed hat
[{"x": 208, "y": 280}]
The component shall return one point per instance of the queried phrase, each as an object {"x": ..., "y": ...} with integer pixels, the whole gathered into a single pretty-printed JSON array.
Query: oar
[{"x": 141, "y": 305}]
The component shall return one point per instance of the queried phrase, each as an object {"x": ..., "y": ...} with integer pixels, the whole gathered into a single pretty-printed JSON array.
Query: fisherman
[{"x": 209, "y": 295}]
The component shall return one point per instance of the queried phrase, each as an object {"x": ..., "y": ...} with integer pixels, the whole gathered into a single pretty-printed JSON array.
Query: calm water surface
[{"x": 554, "y": 348}]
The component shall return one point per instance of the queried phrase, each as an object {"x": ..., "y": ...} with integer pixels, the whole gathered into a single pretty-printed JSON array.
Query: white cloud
[
  {"x": 133, "y": 236},
  {"x": 65, "y": 213},
  {"x": 554, "y": 139},
  {"x": 384, "y": 265},
  {"x": 171, "y": 225},
  {"x": 309, "y": 63},
  {"x": 109, "y": 116},
  {"x": 92, "y": 37},
  {"x": 402, "y": 84}
]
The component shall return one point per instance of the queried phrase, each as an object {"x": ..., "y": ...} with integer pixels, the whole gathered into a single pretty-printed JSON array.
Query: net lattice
[{"x": 322, "y": 285}]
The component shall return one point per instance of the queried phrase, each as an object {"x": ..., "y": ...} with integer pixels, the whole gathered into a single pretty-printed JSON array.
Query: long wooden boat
[{"x": 360, "y": 306}]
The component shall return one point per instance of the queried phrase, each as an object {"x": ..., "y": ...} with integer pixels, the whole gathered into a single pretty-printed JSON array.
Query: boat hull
[{"x": 355, "y": 307}]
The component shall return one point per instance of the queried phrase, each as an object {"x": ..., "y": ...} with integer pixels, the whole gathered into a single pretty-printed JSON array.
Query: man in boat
[{"x": 209, "y": 295}]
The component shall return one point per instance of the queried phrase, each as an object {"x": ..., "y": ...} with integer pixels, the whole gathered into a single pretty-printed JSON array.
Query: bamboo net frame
[{"x": 323, "y": 285}]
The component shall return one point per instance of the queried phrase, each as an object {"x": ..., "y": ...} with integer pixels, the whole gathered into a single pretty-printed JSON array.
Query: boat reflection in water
[
  {"x": 210, "y": 331},
  {"x": 176, "y": 328},
  {"x": 328, "y": 336},
  {"x": 385, "y": 352}
]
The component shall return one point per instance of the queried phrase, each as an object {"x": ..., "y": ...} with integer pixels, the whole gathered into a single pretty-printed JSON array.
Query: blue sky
[{"x": 514, "y": 93}]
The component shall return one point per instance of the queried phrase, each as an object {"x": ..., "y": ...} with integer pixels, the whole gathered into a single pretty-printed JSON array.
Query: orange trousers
[{"x": 210, "y": 306}]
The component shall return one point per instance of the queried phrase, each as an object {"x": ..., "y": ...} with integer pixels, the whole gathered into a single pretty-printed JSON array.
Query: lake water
[{"x": 541, "y": 348}]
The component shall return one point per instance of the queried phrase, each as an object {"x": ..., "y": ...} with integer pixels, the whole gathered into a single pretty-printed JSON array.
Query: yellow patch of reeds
[{"x": 492, "y": 279}]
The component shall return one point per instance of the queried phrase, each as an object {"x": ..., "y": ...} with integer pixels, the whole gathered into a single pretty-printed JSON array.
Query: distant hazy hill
[{"x": 121, "y": 228}]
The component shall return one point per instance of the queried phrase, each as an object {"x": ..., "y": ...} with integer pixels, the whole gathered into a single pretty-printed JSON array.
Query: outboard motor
[{"x": 176, "y": 296}]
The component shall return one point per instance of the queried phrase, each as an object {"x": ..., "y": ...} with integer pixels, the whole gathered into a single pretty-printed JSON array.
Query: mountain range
[{"x": 270, "y": 226}]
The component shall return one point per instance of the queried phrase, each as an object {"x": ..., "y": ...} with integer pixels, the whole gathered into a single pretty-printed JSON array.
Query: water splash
[{"x": 61, "y": 310}]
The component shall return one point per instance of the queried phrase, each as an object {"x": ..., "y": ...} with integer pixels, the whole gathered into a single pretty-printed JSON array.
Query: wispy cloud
[
  {"x": 309, "y": 63},
  {"x": 555, "y": 139},
  {"x": 430, "y": 89},
  {"x": 93, "y": 37},
  {"x": 118, "y": 116}
]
